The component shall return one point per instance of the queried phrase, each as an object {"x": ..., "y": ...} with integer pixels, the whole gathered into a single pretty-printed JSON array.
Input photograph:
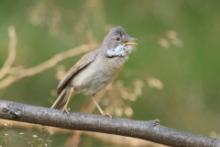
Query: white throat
[{"x": 120, "y": 50}]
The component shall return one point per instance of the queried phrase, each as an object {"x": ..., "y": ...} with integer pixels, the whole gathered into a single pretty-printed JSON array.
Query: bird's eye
[{"x": 117, "y": 38}]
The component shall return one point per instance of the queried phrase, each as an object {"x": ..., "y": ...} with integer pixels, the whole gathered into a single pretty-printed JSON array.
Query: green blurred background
[{"x": 178, "y": 45}]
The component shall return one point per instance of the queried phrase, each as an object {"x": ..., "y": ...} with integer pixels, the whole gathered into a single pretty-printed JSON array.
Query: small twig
[
  {"x": 146, "y": 130},
  {"x": 123, "y": 141},
  {"x": 11, "y": 52},
  {"x": 53, "y": 61}
]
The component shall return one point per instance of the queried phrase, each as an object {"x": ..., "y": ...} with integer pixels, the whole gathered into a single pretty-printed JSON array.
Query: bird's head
[{"x": 118, "y": 43}]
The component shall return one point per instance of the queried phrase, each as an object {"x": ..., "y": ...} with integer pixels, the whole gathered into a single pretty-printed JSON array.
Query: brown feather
[{"x": 85, "y": 61}]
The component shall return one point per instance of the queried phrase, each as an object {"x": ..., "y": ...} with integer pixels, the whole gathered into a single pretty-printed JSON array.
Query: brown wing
[{"x": 79, "y": 66}]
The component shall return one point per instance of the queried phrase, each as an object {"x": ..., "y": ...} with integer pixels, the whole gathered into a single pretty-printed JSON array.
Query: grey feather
[{"x": 85, "y": 61}]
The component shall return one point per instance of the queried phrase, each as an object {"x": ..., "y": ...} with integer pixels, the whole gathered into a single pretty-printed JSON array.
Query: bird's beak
[{"x": 131, "y": 41}]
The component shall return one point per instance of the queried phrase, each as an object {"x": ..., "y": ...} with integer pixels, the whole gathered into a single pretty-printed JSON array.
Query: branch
[
  {"x": 53, "y": 61},
  {"x": 147, "y": 130},
  {"x": 11, "y": 52}
]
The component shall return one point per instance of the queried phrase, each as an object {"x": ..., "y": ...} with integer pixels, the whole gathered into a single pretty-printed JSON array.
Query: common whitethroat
[{"x": 95, "y": 69}]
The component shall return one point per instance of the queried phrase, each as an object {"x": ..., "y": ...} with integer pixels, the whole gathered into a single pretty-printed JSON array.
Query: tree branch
[
  {"x": 11, "y": 52},
  {"x": 31, "y": 71},
  {"x": 147, "y": 130}
]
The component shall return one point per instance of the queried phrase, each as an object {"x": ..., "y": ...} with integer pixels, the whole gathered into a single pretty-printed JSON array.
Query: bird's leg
[
  {"x": 58, "y": 99},
  {"x": 65, "y": 109},
  {"x": 98, "y": 106},
  {"x": 68, "y": 96}
]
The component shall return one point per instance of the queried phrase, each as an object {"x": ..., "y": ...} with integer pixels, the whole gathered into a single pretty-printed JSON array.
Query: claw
[
  {"x": 66, "y": 110},
  {"x": 107, "y": 115},
  {"x": 156, "y": 122}
]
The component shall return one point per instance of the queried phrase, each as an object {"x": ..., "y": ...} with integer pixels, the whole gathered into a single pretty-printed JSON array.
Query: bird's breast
[{"x": 98, "y": 74}]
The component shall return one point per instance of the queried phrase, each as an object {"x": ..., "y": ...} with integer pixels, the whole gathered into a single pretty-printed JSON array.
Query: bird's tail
[{"x": 63, "y": 99}]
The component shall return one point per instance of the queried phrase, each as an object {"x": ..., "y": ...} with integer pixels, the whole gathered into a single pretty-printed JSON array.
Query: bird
[{"x": 96, "y": 69}]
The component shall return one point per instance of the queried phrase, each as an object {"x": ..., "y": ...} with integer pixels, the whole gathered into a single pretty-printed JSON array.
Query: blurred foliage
[{"x": 177, "y": 58}]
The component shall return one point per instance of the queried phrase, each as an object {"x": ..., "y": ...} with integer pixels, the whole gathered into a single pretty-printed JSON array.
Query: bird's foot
[
  {"x": 107, "y": 115},
  {"x": 66, "y": 110},
  {"x": 156, "y": 122}
]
